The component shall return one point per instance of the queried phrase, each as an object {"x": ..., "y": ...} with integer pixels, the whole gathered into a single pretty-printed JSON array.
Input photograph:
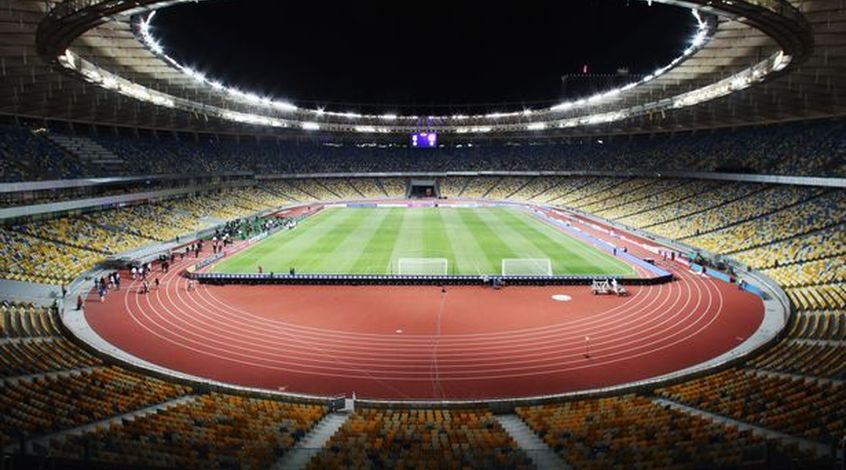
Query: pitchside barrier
[
  {"x": 413, "y": 279},
  {"x": 423, "y": 271}
]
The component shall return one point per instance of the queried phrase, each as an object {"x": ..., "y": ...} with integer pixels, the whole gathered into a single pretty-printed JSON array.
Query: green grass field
[{"x": 372, "y": 240}]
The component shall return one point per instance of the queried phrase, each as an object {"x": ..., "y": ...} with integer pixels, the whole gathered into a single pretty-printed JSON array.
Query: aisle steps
[
  {"x": 44, "y": 441},
  {"x": 540, "y": 453},
  {"x": 90, "y": 152},
  {"x": 298, "y": 457},
  {"x": 804, "y": 444}
]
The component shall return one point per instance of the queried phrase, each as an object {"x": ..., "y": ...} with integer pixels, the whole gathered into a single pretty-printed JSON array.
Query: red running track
[{"x": 422, "y": 343}]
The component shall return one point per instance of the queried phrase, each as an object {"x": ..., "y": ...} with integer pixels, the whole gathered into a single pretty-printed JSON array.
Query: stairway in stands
[
  {"x": 803, "y": 443},
  {"x": 43, "y": 442},
  {"x": 90, "y": 153},
  {"x": 541, "y": 454},
  {"x": 298, "y": 457}
]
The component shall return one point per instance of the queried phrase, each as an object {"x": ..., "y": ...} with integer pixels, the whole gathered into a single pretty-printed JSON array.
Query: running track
[{"x": 422, "y": 343}]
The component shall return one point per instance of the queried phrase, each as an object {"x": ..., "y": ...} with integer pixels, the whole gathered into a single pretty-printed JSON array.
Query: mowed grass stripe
[
  {"x": 362, "y": 228},
  {"x": 280, "y": 246},
  {"x": 507, "y": 231},
  {"x": 573, "y": 256},
  {"x": 409, "y": 240},
  {"x": 494, "y": 248},
  {"x": 471, "y": 258},
  {"x": 435, "y": 241},
  {"x": 323, "y": 244},
  {"x": 375, "y": 257}
]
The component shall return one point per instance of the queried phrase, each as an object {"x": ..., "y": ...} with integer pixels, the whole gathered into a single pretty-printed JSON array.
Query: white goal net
[
  {"x": 526, "y": 267},
  {"x": 422, "y": 266}
]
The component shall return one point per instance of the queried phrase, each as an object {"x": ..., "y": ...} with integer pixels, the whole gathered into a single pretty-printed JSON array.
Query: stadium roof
[{"x": 756, "y": 61}]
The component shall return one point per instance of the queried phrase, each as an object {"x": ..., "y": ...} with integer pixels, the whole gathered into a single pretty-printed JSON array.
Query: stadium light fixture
[
  {"x": 562, "y": 107},
  {"x": 310, "y": 126},
  {"x": 151, "y": 41},
  {"x": 500, "y": 115},
  {"x": 740, "y": 83},
  {"x": 252, "y": 119},
  {"x": 109, "y": 83},
  {"x": 475, "y": 130},
  {"x": 283, "y": 105},
  {"x": 197, "y": 76},
  {"x": 781, "y": 61}
]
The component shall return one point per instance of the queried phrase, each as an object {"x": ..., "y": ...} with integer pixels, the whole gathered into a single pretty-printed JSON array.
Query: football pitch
[{"x": 374, "y": 240}]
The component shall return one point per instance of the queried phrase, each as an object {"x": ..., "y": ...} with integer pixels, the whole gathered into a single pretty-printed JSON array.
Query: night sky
[{"x": 364, "y": 56}]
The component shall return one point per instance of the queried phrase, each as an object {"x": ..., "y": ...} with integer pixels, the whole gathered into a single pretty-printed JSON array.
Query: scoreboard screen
[{"x": 424, "y": 140}]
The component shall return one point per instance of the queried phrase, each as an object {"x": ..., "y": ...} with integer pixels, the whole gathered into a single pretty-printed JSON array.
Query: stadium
[{"x": 265, "y": 234}]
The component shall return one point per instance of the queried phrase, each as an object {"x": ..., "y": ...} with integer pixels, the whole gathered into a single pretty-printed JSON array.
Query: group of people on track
[{"x": 102, "y": 286}]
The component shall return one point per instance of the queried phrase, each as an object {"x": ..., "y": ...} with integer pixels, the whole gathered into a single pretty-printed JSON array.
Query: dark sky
[{"x": 416, "y": 57}]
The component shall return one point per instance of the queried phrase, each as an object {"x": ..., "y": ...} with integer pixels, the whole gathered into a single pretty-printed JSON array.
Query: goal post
[
  {"x": 526, "y": 267},
  {"x": 423, "y": 266}
]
